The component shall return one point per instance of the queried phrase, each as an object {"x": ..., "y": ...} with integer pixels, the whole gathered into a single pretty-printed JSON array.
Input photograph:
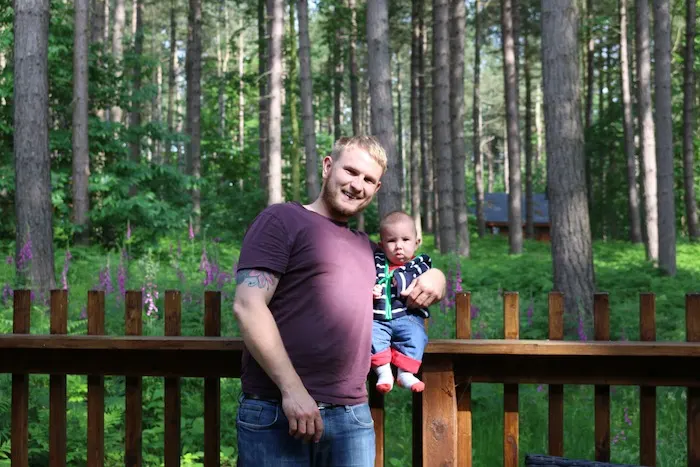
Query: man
[{"x": 304, "y": 308}]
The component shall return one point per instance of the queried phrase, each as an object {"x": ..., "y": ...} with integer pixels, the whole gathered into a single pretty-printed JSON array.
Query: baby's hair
[{"x": 396, "y": 217}]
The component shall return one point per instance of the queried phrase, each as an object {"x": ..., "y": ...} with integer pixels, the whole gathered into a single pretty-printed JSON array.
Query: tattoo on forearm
[{"x": 255, "y": 278}]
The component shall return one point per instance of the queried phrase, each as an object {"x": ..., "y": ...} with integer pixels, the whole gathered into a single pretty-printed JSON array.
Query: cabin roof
[{"x": 496, "y": 208}]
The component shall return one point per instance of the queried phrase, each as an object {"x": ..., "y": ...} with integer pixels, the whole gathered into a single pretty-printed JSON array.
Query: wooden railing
[{"x": 442, "y": 413}]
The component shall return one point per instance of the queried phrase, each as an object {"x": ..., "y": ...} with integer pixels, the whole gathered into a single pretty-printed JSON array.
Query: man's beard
[{"x": 330, "y": 197}]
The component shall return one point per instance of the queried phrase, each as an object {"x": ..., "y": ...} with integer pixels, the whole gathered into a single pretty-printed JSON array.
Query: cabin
[{"x": 496, "y": 214}]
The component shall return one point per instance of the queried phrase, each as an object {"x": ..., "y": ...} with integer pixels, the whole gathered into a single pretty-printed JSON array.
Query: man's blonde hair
[{"x": 366, "y": 143}]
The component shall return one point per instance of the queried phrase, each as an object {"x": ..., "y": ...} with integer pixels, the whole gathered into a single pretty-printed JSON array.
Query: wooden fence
[{"x": 442, "y": 431}]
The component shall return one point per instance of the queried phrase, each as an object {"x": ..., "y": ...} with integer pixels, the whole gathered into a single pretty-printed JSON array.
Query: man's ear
[{"x": 327, "y": 164}]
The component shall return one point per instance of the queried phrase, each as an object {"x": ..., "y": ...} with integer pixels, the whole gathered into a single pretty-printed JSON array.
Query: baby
[{"x": 398, "y": 333}]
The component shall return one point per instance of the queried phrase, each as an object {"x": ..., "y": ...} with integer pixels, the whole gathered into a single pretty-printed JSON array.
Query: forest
[{"x": 540, "y": 145}]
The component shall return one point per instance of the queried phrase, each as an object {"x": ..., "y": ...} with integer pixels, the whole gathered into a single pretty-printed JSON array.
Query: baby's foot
[
  {"x": 409, "y": 381},
  {"x": 385, "y": 378}
]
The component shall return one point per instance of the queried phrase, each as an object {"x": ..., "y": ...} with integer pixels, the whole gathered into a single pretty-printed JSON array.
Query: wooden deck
[{"x": 442, "y": 414}]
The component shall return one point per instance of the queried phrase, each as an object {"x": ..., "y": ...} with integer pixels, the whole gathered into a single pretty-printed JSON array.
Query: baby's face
[{"x": 399, "y": 241}]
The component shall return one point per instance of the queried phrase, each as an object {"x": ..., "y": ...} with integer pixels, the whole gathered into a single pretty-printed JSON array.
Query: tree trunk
[
  {"x": 135, "y": 113},
  {"x": 156, "y": 111},
  {"x": 241, "y": 88},
  {"x": 442, "y": 147},
  {"x": 426, "y": 159},
  {"x": 274, "y": 188},
  {"x": 118, "y": 48},
  {"x": 646, "y": 127},
  {"x": 307, "y": 109},
  {"x": 81, "y": 151},
  {"x": 590, "y": 55},
  {"x": 172, "y": 71},
  {"x": 628, "y": 126},
  {"x": 510, "y": 70},
  {"x": 354, "y": 94},
  {"x": 476, "y": 124},
  {"x": 134, "y": 19},
  {"x": 263, "y": 80},
  {"x": 223, "y": 56},
  {"x": 539, "y": 127},
  {"x": 529, "y": 199},
  {"x": 293, "y": 80},
  {"x": 691, "y": 210},
  {"x": 459, "y": 159},
  {"x": 33, "y": 209},
  {"x": 416, "y": 155},
  {"x": 572, "y": 252},
  {"x": 590, "y": 79},
  {"x": 489, "y": 165},
  {"x": 382, "y": 114},
  {"x": 97, "y": 21},
  {"x": 338, "y": 72},
  {"x": 664, "y": 136},
  {"x": 399, "y": 129},
  {"x": 193, "y": 65}
]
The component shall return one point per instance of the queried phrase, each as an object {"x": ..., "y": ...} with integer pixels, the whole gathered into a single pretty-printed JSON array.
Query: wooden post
[
  {"x": 647, "y": 394},
  {"x": 511, "y": 415},
  {"x": 464, "y": 389},
  {"x": 692, "y": 323},
  {"x": 601, "y": 320},
  {"x": 19, "y": 429},
  {"x": 172, "y": 384},
  {"x": 57, "y": 385},
  {"x": 212, "y": 387},
  {"x": 96, "y": 387},
  {"x": 556, "y": 391},
  {"x": 439, "y": 412},
  {"x": 133, "y": 319}
]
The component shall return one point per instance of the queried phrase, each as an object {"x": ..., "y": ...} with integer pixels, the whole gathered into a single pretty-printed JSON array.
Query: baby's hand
[{"x": 377, "y": 291}]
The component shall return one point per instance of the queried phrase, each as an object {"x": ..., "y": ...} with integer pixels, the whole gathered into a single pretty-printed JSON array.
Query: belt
[{"x": 278, "y": 400}]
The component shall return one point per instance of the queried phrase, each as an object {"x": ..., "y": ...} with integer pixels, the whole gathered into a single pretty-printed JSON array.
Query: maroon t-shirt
[{"x": 322, "y": 304}]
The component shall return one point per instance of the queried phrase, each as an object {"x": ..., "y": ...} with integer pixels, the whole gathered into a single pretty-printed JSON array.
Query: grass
[{"x": 621, "y": 270}]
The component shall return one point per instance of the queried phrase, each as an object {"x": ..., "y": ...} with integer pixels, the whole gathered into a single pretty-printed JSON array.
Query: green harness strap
[{"x": 386, "y": 283}]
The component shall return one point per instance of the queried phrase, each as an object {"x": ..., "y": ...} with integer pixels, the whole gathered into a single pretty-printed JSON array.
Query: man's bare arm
[{"x": 262, "y": 338}]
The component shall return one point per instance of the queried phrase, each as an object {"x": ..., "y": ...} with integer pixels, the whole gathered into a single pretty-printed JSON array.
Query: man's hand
[
  {"x": 426, "y": 290},
  {"x": 303, "y": 414}
]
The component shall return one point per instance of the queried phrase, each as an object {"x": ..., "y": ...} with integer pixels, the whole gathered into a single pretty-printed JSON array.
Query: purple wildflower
[
  {"x": 474, "y": 311},
  {"x": 83, "y": 313},
  {"x": 191, "y": 231},
  {"x": 627, "y": 418},
  {"x": 530, "y": 312},
  {"x": 7, "y": 293},
  {"x": 450, "y": 293},
  {"x": 151, "y": 293},
  {"x": 128, "y": 230},
  {"x": 458, "y": 278},
  {"x": 25, "y": 255},
  {"x": 106, "y": 280},
  {"x": 581, "y": 330},
  {"x": 121, "y": 277},
  {"x": 540, "y": 388},
  {"x": 64, "y": 273},
  {"x": 10, "y": 260}
]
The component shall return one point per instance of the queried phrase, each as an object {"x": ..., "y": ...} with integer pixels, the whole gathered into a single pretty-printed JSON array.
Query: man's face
[{"x": 350, "y": 182}]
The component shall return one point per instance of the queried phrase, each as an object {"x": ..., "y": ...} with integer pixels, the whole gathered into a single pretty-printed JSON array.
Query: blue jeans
[
  {"x": 405, "y": 334},
  {"x": 264, "y": 440}
]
